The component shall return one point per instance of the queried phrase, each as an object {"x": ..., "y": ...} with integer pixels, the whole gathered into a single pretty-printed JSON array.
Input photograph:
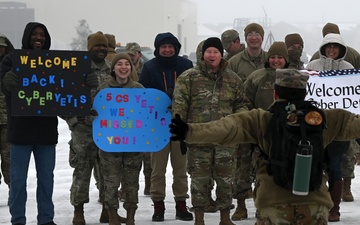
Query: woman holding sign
[
  {"x": 113, "y": 162},
  {"x": 332, "y": 53}
]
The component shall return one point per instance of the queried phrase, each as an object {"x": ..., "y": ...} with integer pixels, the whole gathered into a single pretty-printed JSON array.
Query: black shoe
[
  {"x": 159, "y": 211},
  {"x": 182, "y": 212}
]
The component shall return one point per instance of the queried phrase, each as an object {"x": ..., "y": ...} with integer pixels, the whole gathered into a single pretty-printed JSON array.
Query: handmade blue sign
[{"x": 131, "y": 120}]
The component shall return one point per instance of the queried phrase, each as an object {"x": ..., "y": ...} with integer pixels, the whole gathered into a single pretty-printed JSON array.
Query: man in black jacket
[{"x": 30, "y": 134}]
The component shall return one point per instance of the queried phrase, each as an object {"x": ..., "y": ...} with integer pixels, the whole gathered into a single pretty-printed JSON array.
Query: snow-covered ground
[{"x": 350, "y": 211}]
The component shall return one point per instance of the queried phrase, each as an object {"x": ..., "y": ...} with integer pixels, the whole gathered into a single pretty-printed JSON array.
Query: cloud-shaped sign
[{"x": 131, "y": 120}]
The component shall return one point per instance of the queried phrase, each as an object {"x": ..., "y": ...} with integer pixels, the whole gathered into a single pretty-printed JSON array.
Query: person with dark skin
[{"x": 37, "y": 135}]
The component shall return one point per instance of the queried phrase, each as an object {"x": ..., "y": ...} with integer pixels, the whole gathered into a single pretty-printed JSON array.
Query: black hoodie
[
  {"x": 161, "y": 72},
  {"x": 29, "y": 130}
]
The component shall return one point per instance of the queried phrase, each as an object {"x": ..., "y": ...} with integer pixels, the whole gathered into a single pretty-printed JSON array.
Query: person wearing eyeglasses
[{"x": 243, "y": 64}]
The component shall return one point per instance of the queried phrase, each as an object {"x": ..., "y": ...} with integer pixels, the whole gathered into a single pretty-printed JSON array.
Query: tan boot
[
  {"x": 225, "y": 217},
  {"x": 130, "y": 216},
  {"x": 241, "y": 211},
  {"x": 199, "y": 217},
  {"x": 104, "y": 216},
  {"x": 212, "y": 207},
  {"x": 79, "y": 215},
  {"x": 347, "y": 195},
  {"x": 335, "y": 194},
  {"x": 147, "y": 185},
  {"x": 113, "y": 217}
]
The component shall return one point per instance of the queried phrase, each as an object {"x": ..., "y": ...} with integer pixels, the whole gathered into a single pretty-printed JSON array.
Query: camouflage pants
[
  {"x": 128, "y": 164},
  {"x": 293, "y": 215},
  {"x": 244, "y": 173},
  {"x": 82, "y": 157},
  {"x": 211, "y": 163},
  {"x": 4, "y": 154},
  {"x": 349, "y": 160},
  {"x": 146, "y": 158}
]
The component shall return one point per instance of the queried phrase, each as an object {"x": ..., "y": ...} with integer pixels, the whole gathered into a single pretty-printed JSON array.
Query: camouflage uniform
[
  {"x": 120, "y": 165},
  {"x": 83, "y": 155},
  {"x": 243, "y": 65},
  {"x": 259, "y": 88},
  {"x": 349, "y": 160},
  {"x": 201, "y": 96},
  {"x": 5, "y": 144},
  {"x": 280, "y": 205},
  {"x": 293, "y": 214},
  {"x": 133, "y": 49},
  {"x": 228, "y": 56}
]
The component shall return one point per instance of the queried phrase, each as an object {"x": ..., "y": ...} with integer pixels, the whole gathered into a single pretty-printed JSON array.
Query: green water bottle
[{"x": 302, "y": 170}]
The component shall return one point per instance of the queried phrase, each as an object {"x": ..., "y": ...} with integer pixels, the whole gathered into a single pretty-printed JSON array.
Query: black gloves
[
  {"x": 10, "y": 81},
  {"x": 92, "y": 80},
  {"x": 179, "y": 128}
]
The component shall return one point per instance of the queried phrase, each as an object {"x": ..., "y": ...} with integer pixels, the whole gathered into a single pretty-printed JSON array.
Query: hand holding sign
[{"x": 131, "y": 120}]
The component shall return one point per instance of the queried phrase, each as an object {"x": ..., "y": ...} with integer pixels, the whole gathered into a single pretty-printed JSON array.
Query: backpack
[{"x": 293, "y": 126}]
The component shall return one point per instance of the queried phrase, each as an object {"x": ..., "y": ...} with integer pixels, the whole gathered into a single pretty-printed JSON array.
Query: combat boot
[
  {"x": 182, "y": 212},
  {"x": 335, "y": 194},
  {"x": 347, "y": 195},
  {"x": 199, "y": 217},
  {"x": 114, "y": 218},
  {"x": 213, "y": 206},
  {"x": 241, "y": 211},
  {"x": 159, "y": 211},
  {"x": 147, "y": 185},
  {"x": 225, "y": 217},
  {"x": 104, "y": 216},
  {"x": 79, "y": 215},
  {"x": 130, "y": 216}
]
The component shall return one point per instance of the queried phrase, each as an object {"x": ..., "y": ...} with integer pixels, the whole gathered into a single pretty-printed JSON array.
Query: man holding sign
[{"x": 30, "y": 134}]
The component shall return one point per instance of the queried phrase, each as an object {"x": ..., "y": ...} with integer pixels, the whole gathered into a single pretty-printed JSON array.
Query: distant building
[{"x": 13, "y": 18}]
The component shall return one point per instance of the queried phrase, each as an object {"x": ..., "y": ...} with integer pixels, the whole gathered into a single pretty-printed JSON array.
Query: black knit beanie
[{"x": 213, "y": 42}]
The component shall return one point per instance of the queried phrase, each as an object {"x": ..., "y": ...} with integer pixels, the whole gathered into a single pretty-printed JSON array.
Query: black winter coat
[{"x": 28, "y": 130}]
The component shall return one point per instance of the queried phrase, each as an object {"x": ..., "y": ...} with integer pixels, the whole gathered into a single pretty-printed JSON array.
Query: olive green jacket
[{"x": 250, "y": 127}]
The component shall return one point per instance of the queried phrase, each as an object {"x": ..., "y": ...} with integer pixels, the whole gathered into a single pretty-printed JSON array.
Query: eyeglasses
[{"x": 253, "y": 34}]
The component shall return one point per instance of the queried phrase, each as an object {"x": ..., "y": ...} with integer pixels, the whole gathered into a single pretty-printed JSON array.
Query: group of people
[{"x": 235, "y": 89}]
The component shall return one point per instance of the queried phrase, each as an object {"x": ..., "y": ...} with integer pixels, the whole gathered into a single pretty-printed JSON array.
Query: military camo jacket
[
  {"x": 250, "y": 127},
  {"x": 201, "y": 95}
]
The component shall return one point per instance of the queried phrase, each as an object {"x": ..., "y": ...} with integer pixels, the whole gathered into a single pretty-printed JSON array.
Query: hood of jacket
[
  {"x": 27, "y": 35},
  {"x": 166, "y": 38},
  {"x": 333, "y": 38},
  {"x": 9, "y": 48}
]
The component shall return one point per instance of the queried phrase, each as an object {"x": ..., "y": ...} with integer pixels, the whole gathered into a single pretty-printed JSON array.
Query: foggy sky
[
  {"x": 63, "y": 16},
  {"x": 291, "y": 11}
]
